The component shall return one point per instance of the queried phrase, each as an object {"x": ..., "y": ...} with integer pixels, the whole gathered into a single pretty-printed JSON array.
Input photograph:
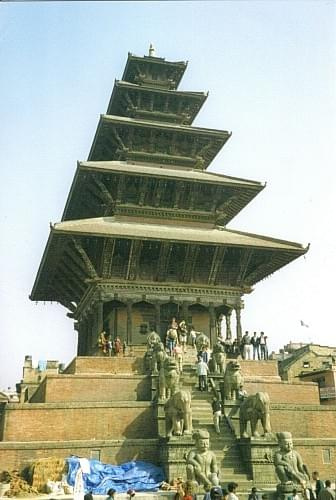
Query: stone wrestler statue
[
  {"x": 288, "y": 462},
  {"x": 201, "y": 462}
]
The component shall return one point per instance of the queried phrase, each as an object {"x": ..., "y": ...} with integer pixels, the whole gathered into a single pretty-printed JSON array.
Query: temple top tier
[{"x": 153, "y": 71}]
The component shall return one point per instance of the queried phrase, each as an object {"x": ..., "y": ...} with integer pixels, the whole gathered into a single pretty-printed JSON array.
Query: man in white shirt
[
  {"x": 202, "y": 372},
  {"x": 232, "y": 487}
]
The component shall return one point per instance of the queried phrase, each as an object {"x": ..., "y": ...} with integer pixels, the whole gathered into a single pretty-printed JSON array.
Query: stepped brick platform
[
  {"x": 93, "y": 387},
  {"x": 105, "y": 364}
]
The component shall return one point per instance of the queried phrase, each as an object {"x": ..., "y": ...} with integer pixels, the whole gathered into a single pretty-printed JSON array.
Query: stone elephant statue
[
  {"x": 254, "y": 408},
  {"x": 168, "y": 378},
  {"x": 178, "y": 414},
  {"x": 232, "y": 382}
]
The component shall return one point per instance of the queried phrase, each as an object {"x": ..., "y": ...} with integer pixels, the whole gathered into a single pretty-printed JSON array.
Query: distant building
[
  {"x": 306, "y": 359},
  {"x": 9, "y": 396},
  {"x": 32, "y": 376},
  {"x": 326, "y": 379}
]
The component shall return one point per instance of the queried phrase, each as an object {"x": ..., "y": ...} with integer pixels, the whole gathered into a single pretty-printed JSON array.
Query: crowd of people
[
  {"x": 111, "y": 347},
  {"x": 318, "y": 490}
]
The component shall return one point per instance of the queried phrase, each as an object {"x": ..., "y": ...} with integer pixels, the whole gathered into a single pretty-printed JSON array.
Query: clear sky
[{"x": 270, "y": 69}]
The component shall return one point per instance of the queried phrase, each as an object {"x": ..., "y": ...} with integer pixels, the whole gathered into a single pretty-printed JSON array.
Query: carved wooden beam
[
  {"x": 143, "y": 190},
  {"x": 73, "y": 269},
  {"x": 128, "y": 100},
  {"x": 133, "y": 260},
  {"x": 216, "y": 264},
  {"x": 160, "y": 187},
  {"x": 70, "y": 277},
  {"x": 121, "y": 188},
  {"x": 244, "y": 262},
  {"x": 64, "y": 297},
  {"x": 163, "y": 260},
  {"x": 107, "y": 257},
  {"x": 89, "y": 266},
  {"x": 68, "y": 287},
  {"x": 76, "y": 260},
  {"x": 104, "y": 192},
  {"x": 151, "y": 141},
  {"x": 216, "y": 198},
  {"x": 190, "y": 262},
  {"x": 193, "y": 195},
  {"x": 270, "y": 265},
  {"x": 179, "y": 191},
  {"x": 117, "y": 138}
]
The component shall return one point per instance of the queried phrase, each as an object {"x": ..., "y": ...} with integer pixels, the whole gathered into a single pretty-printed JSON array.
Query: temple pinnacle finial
[{"x": 151, "y": 51}]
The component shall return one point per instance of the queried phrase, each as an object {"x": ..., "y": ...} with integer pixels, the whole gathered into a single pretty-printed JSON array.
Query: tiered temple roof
[{"x": 143, "y": 210}]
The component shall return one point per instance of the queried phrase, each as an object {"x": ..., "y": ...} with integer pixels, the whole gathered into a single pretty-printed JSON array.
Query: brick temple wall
[
  {"x": 110, "y": 365},
  {"x": 95, "y": 387},
  {"x": 19, "y": 455},
  {"x": 284, "y": 392},
  {"x": 313, "y": 421},
  {"x": 72, "y": 421}
]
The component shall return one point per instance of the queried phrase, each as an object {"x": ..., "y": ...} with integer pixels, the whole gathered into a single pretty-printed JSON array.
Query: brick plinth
[
  {"x": 110, "y": 365},
  {"x": 284, "y": 392},
  {"x": 95, "y": 387},
  {"x": 72, "y": 421},
  {"x": 21, "y": 454}
]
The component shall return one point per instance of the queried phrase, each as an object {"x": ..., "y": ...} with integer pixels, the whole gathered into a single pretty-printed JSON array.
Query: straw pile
[
  {"x": 18, "y": 486},
  {"x": 46, "y": 469}
]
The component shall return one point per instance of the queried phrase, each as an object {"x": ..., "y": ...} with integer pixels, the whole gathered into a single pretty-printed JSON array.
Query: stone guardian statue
[
  {"x": 288, "y": 463},
  {"x": 201, "y": 462}
]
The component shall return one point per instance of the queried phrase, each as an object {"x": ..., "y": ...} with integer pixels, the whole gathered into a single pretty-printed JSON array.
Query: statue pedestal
[
  {"x": 284, "y": 491},
  {"x": 257, "y": 453},
  {"x": 173, "y": 451}
]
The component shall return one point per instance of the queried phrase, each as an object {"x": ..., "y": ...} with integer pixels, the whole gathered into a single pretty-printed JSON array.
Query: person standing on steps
[
  {"x": 317, "y": 483},
  {"x": 262, "y": 346},
  {"x": 232, "y": 487},
  {"x": 253, "y": 495},
  {"x": 216, "y": 493},
  {"x": 247, "y": 346},
  {"x": 202, "y": 370},
  {"x": 255, "y": 345},
  {"x": 217, "y": 413}
]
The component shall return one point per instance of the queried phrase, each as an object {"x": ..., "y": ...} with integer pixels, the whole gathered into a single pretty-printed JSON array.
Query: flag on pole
[{"x": 302, "y": 323}]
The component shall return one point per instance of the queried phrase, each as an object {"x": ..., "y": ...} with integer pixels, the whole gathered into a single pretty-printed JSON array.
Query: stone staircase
[{"x": 224, "y": 444}]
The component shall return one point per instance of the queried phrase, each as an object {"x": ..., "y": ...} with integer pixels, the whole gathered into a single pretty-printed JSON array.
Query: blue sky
[{"x": 270, "y": 70}]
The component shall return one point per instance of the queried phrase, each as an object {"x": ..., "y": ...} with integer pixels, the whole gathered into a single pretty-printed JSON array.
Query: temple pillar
[
  {"x": 100, "y": 317},
  {"x": 81, "y": 333},
  {"x": 238, "y": 323},
  {"x": 185, "y": 310},
  {"x": 129, "y": 322},
  {"x": 228, "y": 325},
  {"x": 157, "y": 317},
  {"x": 212, "y": 315}
]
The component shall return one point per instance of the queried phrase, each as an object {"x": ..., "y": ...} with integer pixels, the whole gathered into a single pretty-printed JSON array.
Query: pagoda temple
[{"x": 143, "y": 236}]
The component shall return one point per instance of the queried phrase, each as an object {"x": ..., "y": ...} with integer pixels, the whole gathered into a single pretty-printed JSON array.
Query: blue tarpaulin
[{"x": 136, "y": 475}]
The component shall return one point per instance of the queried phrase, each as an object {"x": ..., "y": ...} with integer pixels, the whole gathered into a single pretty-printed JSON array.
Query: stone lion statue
[
  {"x": 178, "y": 414},
  {"x": 219, "y": 358},
  {"x": 168, "y": 378},
  {"x": 254, "y": 408},
  {"x": 150, "y": 361},
  {"x": 233, "y": 381},
  {"x": 158, "y": 357},
  {"x": 153, "y": 338},
  {"x": 202, "y": 340}
]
